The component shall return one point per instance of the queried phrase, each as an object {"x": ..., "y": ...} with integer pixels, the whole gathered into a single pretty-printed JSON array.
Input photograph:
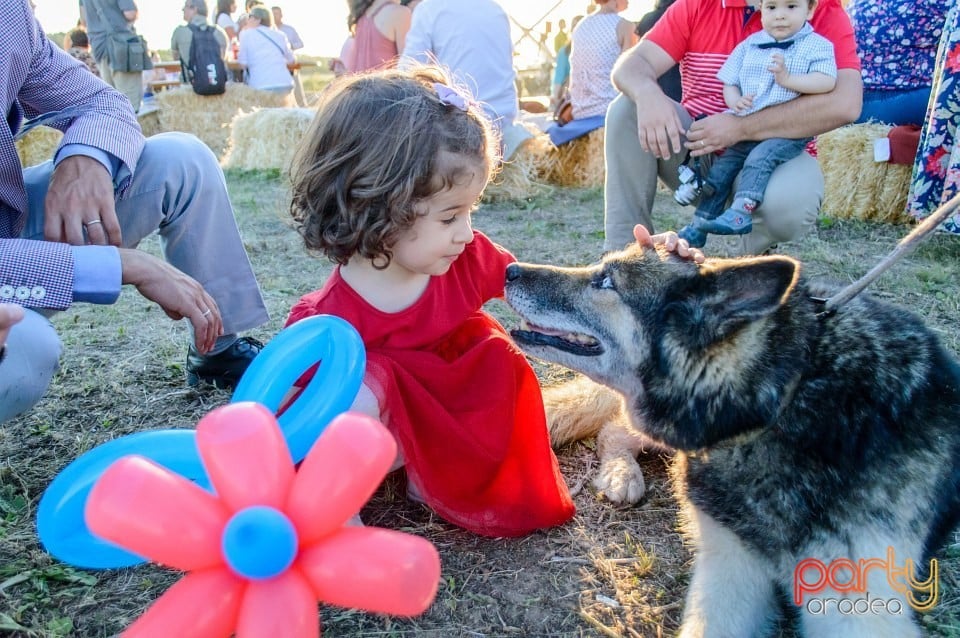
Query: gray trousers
[
  {"x": 790, "y": 204},
  {"x": 179, "y": 191},
  {"x": 127, "y": 82}
]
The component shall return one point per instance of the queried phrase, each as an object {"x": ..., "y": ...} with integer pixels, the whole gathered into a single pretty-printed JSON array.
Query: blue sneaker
[
  {"x": 694, "y": 236},
  {"x": 731, "y": 222}
]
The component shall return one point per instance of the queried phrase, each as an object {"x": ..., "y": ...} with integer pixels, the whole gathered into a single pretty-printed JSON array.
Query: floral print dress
[{"x": 936, "y": 170}]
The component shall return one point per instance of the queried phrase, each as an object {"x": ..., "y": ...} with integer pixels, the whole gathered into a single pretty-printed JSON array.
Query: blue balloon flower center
[{"x": 259, "y": 543}]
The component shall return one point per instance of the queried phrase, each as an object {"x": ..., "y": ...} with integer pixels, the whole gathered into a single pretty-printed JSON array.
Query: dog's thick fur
[{"x": 798, "y": 436}]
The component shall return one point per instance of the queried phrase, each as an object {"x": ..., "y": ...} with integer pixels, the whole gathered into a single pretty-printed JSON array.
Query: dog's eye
[{"x": 604, "y": 282}]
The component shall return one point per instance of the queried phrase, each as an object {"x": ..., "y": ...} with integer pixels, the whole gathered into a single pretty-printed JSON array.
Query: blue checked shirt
[
  {"x": 747, "y": 65},
  {"x": 36, "y": 77}
]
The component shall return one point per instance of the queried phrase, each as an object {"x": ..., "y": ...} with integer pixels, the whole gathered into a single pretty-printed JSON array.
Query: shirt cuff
[
  {"x": 97, "y": 274},
  {"x": 109, "y": 162}
]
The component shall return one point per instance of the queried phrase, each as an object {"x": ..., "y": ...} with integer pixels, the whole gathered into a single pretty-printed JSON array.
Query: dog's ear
[
  {"x": 751, "y": 289},
  {"x": 732, "y": 294}
]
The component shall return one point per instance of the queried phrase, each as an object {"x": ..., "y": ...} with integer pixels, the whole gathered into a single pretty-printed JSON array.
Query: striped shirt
[{"x": 700, "y": 34}]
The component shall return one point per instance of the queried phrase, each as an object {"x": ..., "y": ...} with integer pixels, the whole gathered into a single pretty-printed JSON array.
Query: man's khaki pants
[
  {"x": 130, "y": 84},
  {"x": 788, "y": 211}
]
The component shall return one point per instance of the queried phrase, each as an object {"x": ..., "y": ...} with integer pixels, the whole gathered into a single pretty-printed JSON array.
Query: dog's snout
[{"x": 513, "y": 272}]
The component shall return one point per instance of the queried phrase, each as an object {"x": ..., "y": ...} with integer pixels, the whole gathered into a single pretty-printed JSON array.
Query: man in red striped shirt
[{"x": 649, "y": 135}]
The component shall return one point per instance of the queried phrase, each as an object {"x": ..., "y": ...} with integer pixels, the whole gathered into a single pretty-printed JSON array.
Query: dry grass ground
[{"x": 610, "y": 572}]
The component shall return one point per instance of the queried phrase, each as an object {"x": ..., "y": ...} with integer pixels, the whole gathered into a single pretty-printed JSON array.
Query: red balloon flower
[{"x": 272, "y": 540}]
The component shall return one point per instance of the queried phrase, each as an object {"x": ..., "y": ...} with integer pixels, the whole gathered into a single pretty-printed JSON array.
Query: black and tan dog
[{"x": 818, "y": 456}]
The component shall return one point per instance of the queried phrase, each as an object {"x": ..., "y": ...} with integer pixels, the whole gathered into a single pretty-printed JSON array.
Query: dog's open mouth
[{"x": 572, "y": 342}]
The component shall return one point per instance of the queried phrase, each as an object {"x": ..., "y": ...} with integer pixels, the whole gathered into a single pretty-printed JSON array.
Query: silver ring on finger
[
  {"x": 91, "y": 223},
  {"x": 206, "y": 312}
]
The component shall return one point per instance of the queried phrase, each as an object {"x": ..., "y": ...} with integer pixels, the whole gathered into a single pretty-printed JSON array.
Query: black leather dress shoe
[{"x": 224, "y": 369}]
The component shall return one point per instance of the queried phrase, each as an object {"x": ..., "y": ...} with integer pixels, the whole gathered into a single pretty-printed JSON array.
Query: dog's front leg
[
  {"x": 620, "y": 478},
  {"x": 581, "y": 408},
  {"x": 732, "y": 594}
]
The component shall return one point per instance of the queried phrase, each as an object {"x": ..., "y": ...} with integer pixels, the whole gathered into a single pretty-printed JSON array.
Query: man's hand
[
  {"x": 177, "y": 293},
  {"x": 713, "y": 133},
  {"x": 659, "y": 126},
  {"x": 668, "y": 240},
  {"x": 10, "y": 314},
  {"x": 81, "y": 197},
  {"x": 635, "y": 75}
]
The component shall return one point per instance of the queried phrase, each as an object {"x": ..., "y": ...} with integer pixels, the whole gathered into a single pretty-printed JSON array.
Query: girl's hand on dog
[{"x": 668, "y": 240}]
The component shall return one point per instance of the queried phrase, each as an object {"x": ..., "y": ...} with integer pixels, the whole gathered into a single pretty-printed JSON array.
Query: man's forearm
[
  {"x": 808, "y": 115},
  {"x": 634, "y": 76}
]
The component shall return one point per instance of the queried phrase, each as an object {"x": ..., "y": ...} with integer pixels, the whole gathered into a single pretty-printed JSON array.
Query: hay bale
[
  {"x": 149, "y": 121},
  {"x": 523, "y": 175},
  {"x": 209, "y": 116},
  {"x": 38, "y": 145},
  {"x": 266, "y": 138},
  {"x": 579, "y": 162},
  {"x": 857, "y": 187}
]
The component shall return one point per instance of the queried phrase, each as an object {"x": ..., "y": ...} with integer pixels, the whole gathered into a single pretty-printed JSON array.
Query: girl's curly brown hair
[{"x": 372, "y": 152}]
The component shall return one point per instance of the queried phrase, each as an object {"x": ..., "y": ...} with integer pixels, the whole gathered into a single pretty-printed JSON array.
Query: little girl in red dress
[{"x": 384, "y": 186}]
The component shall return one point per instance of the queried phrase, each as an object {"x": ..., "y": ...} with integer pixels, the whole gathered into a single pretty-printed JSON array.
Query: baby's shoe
[
  {"x": 694, "y": 236},
  {"x": 736, "y": 220}
]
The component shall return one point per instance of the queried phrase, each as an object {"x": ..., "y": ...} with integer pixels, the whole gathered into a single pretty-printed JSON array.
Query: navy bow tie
[{"x": 775, "y": 45}]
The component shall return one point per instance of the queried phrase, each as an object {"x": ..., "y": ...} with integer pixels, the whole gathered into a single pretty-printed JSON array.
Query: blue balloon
[
  {"x": 324, "y": 338},
  {"x": 330, "y": 392},
  {"x": 259, "y": 542},
  {"x": 60, "y": 521}
]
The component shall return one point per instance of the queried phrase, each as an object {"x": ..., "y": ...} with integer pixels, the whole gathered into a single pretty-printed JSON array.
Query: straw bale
[
  {"x": 149, "y": 122},
  {"x": 523, "y": 176},
  {"x": 266, "y": 138},
  {"x": 857, "y": 187},
  {"x": 579, "y": 162},
  {"x": 209, "y": 116},
  {"x": 38, "y": 145}
]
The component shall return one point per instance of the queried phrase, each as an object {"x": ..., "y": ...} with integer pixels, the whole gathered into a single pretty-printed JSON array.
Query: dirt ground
[{"x": 612, "y": 571}]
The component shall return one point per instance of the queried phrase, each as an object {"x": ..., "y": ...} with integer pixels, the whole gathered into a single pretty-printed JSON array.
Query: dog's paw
[{"x": 620, "y": 480}]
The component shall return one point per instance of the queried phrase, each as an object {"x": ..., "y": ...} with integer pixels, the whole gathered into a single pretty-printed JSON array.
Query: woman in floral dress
[{"x": 936, "y": 171}]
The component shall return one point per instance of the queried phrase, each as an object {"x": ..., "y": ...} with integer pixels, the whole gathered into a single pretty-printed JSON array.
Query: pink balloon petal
[
  {"x": 203, "y": 604},
  {"x": 245, "y": 456},
  {"x": 339, "y": 475},
  {"x": 373, "y": 569},
  {"x": 153, "y": 512},
  {"x": 282, "y": 607}
]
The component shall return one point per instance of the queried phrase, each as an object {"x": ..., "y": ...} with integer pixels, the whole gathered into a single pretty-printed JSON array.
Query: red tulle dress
[{"x": 459, "y": 396}]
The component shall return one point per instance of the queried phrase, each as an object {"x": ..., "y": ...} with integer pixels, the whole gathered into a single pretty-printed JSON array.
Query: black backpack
[{"x": 205, "y": 69}]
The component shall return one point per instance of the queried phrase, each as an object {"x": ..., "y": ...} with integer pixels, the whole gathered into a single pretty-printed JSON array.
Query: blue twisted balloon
[{"x": 294, "y": 350}]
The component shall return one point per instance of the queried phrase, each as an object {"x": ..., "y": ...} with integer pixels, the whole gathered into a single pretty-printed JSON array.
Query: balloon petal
[
  {"x": 156, "y": 513},
  {"x": 339, "y": 474},
  {"x": 203, "y": 604},
  {"x": 282, "y": 607},
  {"x": 245, "y": 456},
  {"x": 294, "y": 350},
  {"x": 373, "y": 569}
]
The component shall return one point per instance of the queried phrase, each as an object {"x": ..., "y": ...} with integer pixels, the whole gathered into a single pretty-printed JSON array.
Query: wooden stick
[{"x": 907, "y": 245}]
